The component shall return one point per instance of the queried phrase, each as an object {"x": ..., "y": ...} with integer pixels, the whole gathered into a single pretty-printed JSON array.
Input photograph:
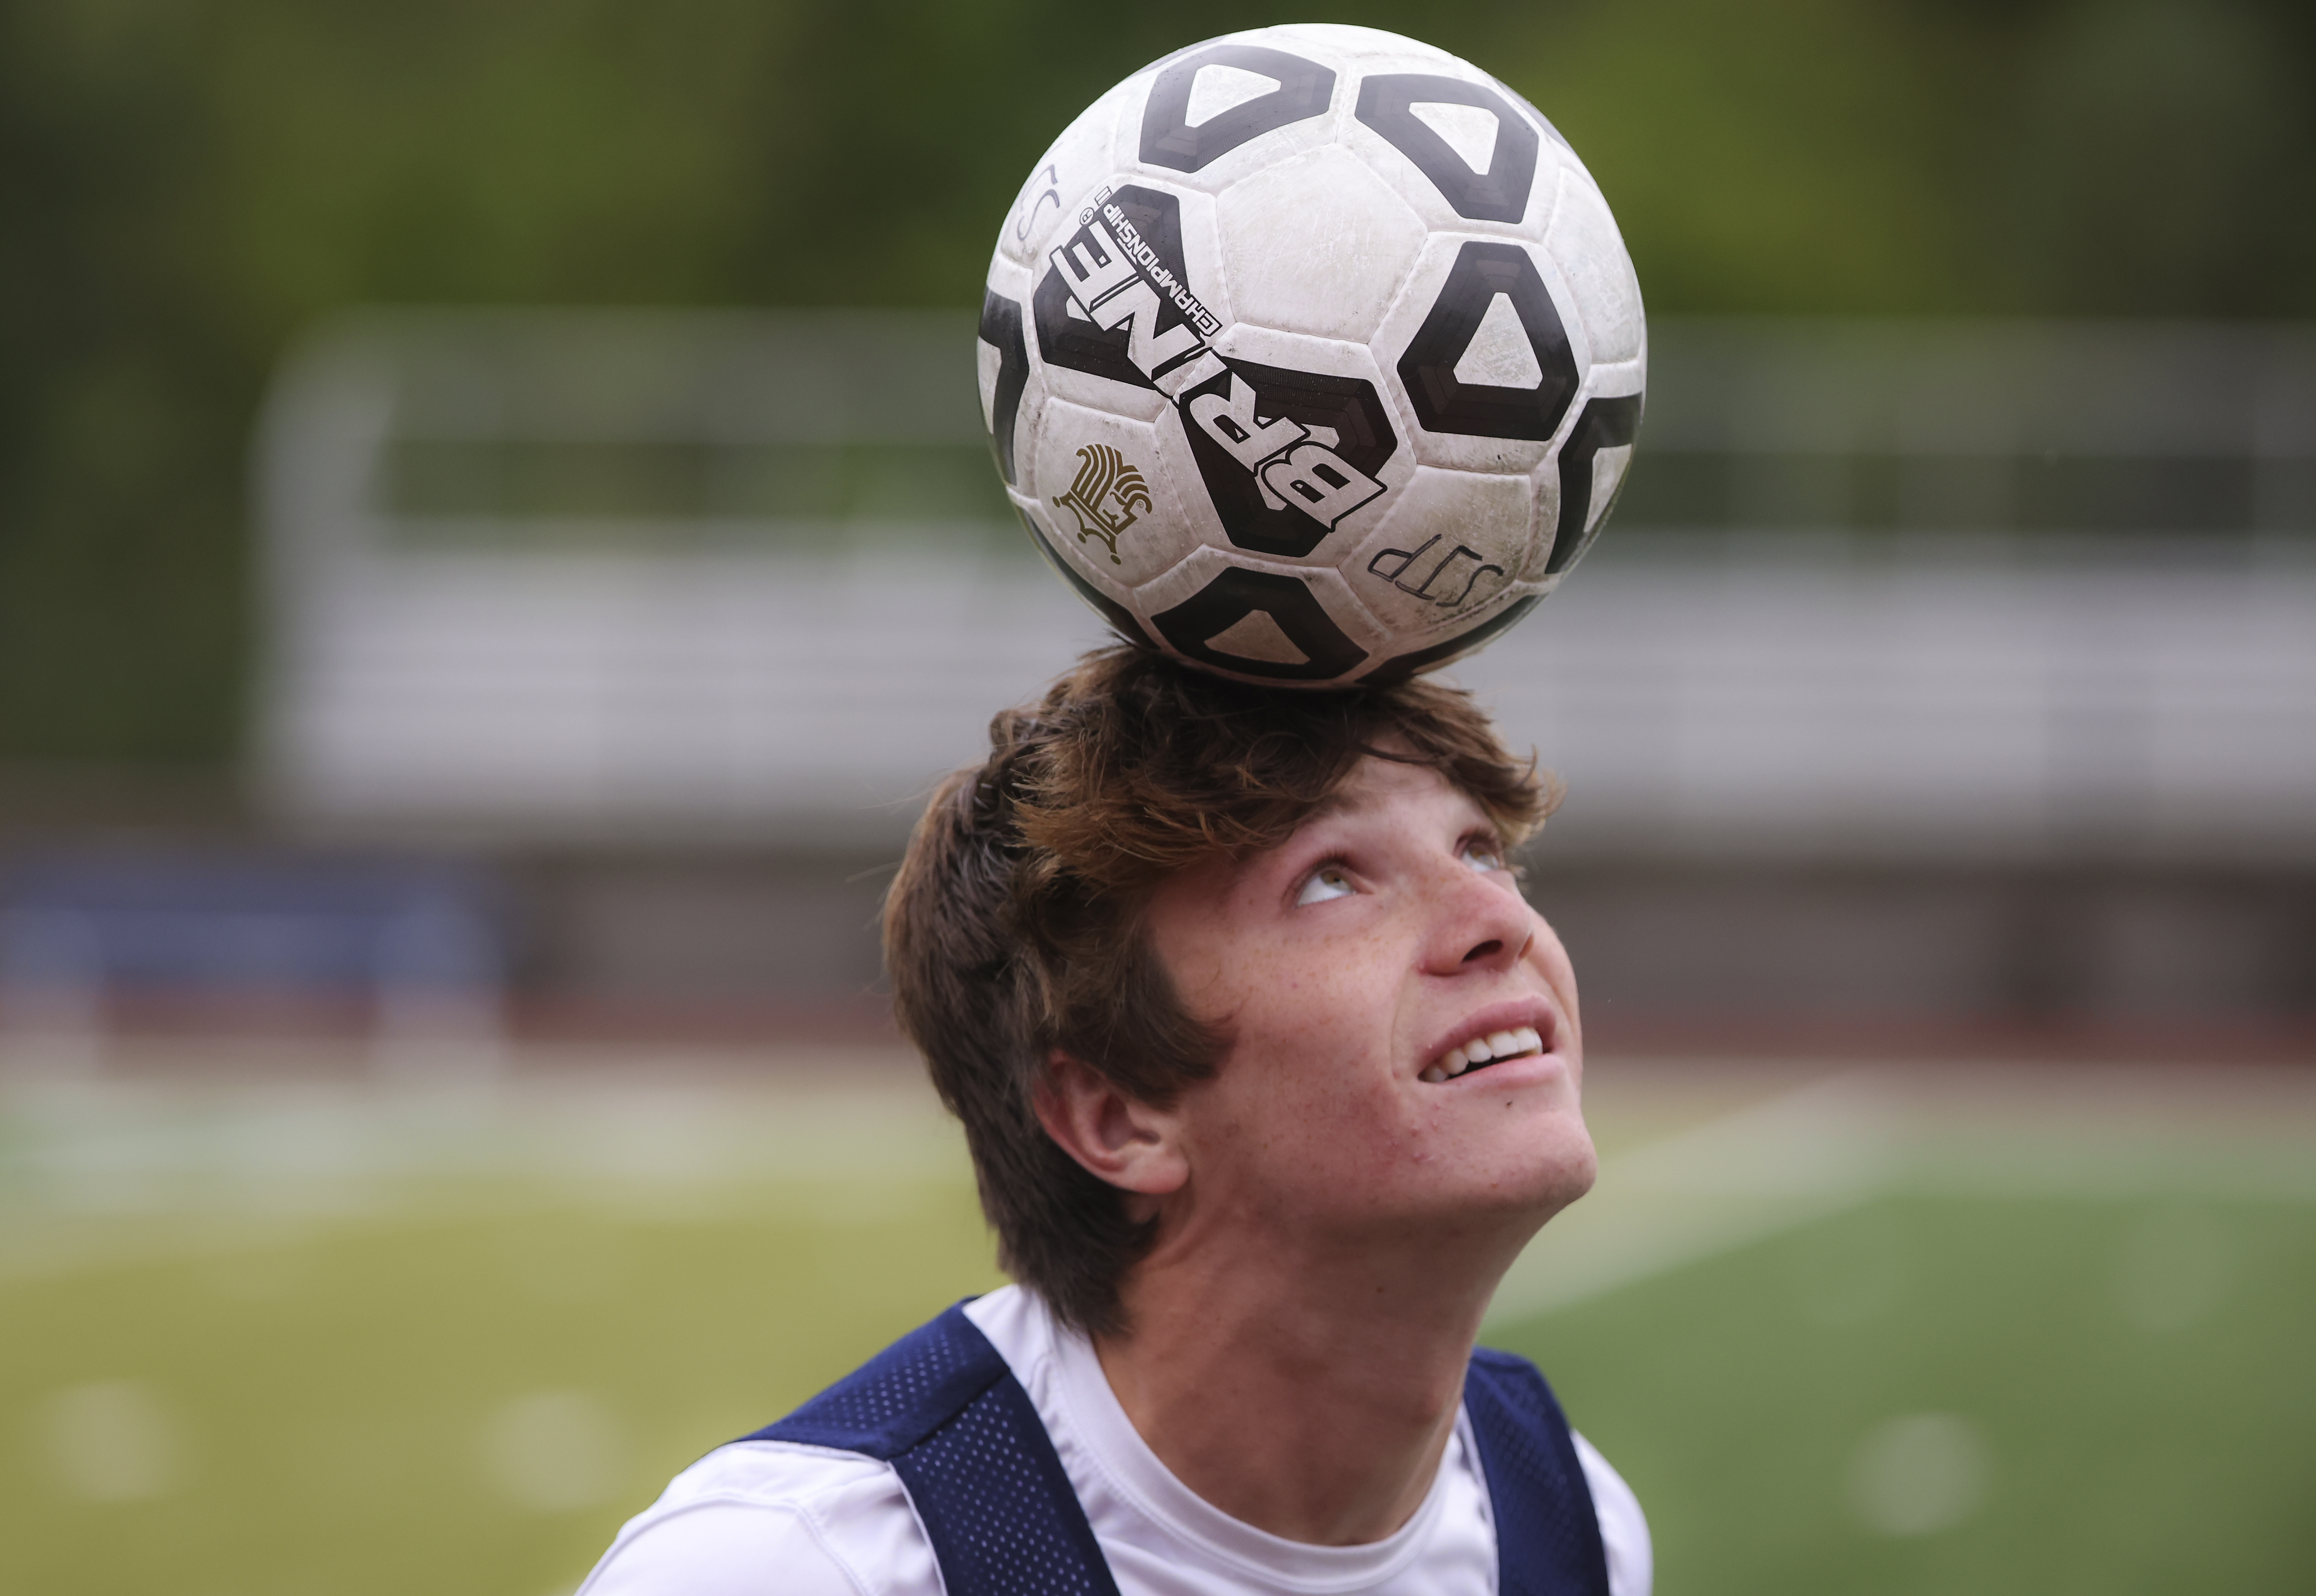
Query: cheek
[
  {"x": 1307, "y": 988},
  {"x": 1551, "y": 958},
  {"x": 1312, "y": 1047}
]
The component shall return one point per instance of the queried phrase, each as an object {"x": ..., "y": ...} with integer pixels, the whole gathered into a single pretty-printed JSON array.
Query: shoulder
[
  {"x": 810, "y": 1499},
  {"x": 1624, "y": 1528},
  {"x": 1517, "y": 1395},
  {"x": 785, "y": 1517},
  {"x": 758, "y": 1517}
]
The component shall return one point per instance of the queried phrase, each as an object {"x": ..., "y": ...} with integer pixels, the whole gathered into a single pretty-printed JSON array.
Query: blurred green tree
[{"x": 184, "y": 185}]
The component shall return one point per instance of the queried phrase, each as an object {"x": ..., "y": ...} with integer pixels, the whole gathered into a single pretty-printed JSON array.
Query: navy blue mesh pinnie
[
  {"x": 940, "y": 1406},
  {"x": 1547, "y": 1529}
]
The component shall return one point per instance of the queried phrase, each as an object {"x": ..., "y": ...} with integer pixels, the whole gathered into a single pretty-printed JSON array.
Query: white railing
[{"x": 703, "y": 577}]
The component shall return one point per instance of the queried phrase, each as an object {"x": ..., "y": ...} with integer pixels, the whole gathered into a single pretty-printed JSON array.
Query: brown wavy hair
[{"x": 1014, "y": 927}]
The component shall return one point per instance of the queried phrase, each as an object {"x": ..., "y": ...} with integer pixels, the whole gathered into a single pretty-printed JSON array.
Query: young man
[{"x": 1268, "y": 1071}]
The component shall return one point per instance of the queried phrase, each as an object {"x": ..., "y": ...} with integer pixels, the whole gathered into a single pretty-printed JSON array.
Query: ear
[{"x": 1127, "y": 1143}]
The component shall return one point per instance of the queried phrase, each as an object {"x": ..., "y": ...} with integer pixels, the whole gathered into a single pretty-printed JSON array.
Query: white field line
[
  {"x": 1846, "y": 1140},
  {"x": 645, "y": 1135},
  {"x": 102, "y": 1175}
]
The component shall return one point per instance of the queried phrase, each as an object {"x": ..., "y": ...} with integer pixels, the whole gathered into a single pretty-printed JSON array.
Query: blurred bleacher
[{"x": 1933, "y": 673}]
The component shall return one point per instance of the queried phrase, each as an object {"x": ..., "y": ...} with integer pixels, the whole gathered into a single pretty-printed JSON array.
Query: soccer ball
[{"x": 1312, "y": 355}]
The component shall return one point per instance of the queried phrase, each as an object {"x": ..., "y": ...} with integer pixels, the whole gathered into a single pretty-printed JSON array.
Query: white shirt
[{"x": 759, "y": 1518}]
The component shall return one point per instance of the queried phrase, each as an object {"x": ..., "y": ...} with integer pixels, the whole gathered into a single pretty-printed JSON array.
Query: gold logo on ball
[{"x": 1105, "y": 496}]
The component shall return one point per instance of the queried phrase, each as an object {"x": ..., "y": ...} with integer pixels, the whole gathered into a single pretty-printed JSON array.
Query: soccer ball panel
[
  {"x": 1213, "y": 99},
  {"x": 1256, "y": 621},
  {"x": 1238, "y": 132},
  {"x": 1480, "y": 355},
  {"x": 1114, "y": 301},
  {"x": 1590, "y": 254},
  {"x": 1465, "y": 138},
  {"x": 1455, "y": 146},
  {"x": 1438, "y": 651},
  {"x": 1295, "y": 458},
  {"x": 1102, "y": 392},
  {"x": 1605, "y": 423},
  {"x": 1608, "y": 467},
  {"x": 1316, "y": 244},
  {"x": 1452, "y": 544},
  {"x": 1001, "y": 360},
  {"x": 1626, "y": 376},
  {"x": 1111, "y": 514}
]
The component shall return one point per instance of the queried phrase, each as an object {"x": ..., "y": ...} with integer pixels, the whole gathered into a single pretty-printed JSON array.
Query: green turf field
[{"x": 1860, "y": 1336}]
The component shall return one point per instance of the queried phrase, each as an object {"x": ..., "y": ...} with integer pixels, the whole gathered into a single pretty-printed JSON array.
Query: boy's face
[{"x": 1352, "y": 962}]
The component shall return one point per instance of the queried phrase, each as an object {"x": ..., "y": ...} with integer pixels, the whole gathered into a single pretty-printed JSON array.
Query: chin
[
  {"x": 1555, "y": 1173},
  {"x": 1574, "y": 1176}
]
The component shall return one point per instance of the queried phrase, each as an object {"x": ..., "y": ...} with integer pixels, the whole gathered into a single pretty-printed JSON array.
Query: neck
[{"x": 1313, "y": 1400}]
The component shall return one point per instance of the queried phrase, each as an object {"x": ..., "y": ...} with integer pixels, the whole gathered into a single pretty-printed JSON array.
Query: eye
[
  {"x": 1329, "y": 880},
  {"x": 1482, "y": 855}
]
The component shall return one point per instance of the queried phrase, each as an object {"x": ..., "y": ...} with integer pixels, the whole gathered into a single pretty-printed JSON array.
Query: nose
[{"x": 1483, "y": 923}]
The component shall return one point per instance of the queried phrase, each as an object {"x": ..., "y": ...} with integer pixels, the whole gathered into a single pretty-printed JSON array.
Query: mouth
[{"x": 1478, "y": 1052}]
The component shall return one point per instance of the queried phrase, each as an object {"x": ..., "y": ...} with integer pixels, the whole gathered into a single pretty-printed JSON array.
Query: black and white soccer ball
[{"x": 1312, "y": 355}]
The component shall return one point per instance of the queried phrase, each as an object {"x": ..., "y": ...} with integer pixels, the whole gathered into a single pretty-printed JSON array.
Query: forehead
[
  {"x": 1375, "y": 791},
  {"x": 1374, "y": 788},
  {"x": 1375, "y": 784}
]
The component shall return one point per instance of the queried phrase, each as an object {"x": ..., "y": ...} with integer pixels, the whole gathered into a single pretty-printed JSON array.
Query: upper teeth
[{"x": 1495, "y": 1045}]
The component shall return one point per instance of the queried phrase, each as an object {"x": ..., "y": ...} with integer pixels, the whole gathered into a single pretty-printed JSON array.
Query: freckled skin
[
  {"x": 1319, "y": 1119},
  {"x": 1330, "y": 1225}
]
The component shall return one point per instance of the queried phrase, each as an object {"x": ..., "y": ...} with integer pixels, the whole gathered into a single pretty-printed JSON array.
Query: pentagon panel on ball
[{"x": 1312, "y": 355}]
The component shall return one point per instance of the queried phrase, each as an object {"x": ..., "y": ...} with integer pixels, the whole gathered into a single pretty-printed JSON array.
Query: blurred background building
[{"x": 1951, "y": 667}]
